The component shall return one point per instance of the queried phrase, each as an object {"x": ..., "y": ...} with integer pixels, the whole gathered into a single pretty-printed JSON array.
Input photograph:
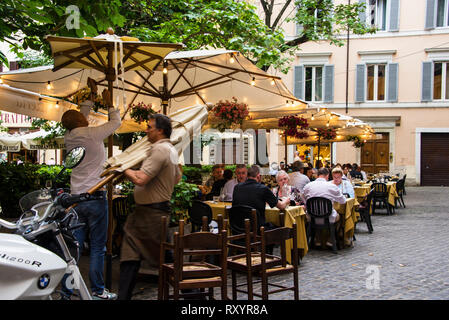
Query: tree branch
[{"x": 280, "y": 14}]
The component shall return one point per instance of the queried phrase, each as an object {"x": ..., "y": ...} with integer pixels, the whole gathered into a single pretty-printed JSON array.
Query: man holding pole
[
  {"x": 155, "y": 182},
  {"x": 85, "y": 176}
]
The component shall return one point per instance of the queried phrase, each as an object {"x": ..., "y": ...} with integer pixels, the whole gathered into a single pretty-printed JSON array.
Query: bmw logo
[{"x": 43, "y": 281}]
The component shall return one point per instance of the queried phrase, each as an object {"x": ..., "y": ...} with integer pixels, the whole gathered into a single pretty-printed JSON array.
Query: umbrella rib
[
  {"x": 143, "y": 66},
  {"x": 149, "y": 83},
  {"x": 73, "y": 50},
  {"x": 135, "y": 96},
  {"x": 239, "y": 70},
  {"x": 139, "y": 63},
  {"x": 192, "y": 88},
  {"x": 127, "y": 89},
  {"x": 179, "y": 76},
  {"x": 79, "y": 59},
  {"x": 92, "y": 44},
  {"x": 200, "y": 87}
]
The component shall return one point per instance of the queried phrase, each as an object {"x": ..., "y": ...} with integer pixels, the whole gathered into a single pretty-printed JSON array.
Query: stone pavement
[{"x": 405, "y": 258}]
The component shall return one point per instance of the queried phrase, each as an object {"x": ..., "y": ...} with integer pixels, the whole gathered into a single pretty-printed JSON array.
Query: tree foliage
[{"x": 199, "y": 24}]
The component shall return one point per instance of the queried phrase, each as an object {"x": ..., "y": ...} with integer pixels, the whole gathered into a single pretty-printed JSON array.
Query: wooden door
[
  {"x": 434, "y": 159},
  {"x": 375, "y": 155}
]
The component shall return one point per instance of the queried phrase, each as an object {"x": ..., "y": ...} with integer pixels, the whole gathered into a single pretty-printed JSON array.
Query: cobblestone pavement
[{"x": 408, "y": 251}]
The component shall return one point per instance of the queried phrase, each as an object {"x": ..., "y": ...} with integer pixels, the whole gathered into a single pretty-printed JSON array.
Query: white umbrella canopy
[{"x": 193, "y": 77}]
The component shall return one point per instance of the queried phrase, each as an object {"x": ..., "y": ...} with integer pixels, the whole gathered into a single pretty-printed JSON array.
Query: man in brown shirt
[{"x": 154, "y": 184}]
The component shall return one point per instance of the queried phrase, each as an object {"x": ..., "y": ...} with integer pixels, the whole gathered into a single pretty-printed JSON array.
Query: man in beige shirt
[{"x": 154, "y": 185}]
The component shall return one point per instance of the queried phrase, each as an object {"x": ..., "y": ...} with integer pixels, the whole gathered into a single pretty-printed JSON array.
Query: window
[
  {"x": 441, "y": 81},
  {"x": 377, "y": 14},
  {"x": 375, "y": 82},
  {"x": 442, "y": 13},
  {"x": 314, "y": 83}
]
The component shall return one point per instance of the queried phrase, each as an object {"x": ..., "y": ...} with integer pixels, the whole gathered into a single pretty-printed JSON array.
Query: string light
[
  {"x": 48, "y": 85},
  {"x": 253, "y": 82},
  {"x": 164, "y": 70},
  {"x": 327, "y": 124},
  {"x": 272, "y": 82},
  {"x": 1, "y": 80},
  {"x": 57, "y": 105},
  {"x": 231, "y": 59},
  {"x": 313, "y": 118}
]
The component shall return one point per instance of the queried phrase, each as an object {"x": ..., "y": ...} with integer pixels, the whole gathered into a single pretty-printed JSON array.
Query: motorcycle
[{"x": 34, "y": 259}]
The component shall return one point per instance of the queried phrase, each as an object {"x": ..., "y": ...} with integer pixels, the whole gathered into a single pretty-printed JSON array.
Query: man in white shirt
[
  {"x": 297, "y": 178},
  {"x": 322, "y": 188},
  {"x": 241, "y": 173},
  {"x": 86, "y": 175}
]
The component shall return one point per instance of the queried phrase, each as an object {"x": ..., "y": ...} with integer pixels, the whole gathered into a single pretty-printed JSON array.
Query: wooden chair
[
  {"x": 120, "y": 210},
  {"x": 183, "y": 275},
  {"x": 257, "y": 263},
  {"x": 321, "y": 208}
]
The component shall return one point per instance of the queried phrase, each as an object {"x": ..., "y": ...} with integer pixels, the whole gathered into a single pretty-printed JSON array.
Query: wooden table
[{"x": 295, "y": 214}]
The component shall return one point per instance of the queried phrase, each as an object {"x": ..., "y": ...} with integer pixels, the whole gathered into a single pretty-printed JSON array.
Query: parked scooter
[{"x": 34, "y": 260}]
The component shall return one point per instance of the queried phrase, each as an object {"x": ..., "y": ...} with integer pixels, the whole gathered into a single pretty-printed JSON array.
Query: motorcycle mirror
[{"x": 74, "y": 157}]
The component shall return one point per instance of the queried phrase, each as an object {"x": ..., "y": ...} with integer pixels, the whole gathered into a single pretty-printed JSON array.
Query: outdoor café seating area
[{"x": 216, "y": 241}]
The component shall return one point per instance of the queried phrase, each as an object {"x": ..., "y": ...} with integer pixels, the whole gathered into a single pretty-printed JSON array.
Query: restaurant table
[
  {"x": 361, "y": 191},
  {"x": 292, "y": 214},
  {"x": 348, "y": 219}
]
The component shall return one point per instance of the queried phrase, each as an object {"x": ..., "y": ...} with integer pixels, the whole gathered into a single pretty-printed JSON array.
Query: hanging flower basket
[
  {"x": 357, "y": 141},
  {"x": 229, "y": 113},
  {"x": 293, "y": 126},
  {"x": 327, "y": 134},
  {"x": 140, "y": 112},
  {"x": 84, "y": 94}
]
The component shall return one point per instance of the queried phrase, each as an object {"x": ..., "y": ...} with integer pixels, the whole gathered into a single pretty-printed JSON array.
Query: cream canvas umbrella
[{"x": 192, "y": 77}]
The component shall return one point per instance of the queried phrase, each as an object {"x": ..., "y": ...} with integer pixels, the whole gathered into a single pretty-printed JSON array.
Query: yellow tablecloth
[
  {"x": 349, "y": 216},
  {"x": 391, "y": 189},
  {"x": 292, "y": 214}
]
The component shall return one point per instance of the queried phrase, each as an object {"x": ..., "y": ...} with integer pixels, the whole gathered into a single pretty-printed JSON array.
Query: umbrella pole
[
  {"x": 285, "y": 147},
  {"x": 318, "y": 156},
  {"x": 108, "y": 277}
]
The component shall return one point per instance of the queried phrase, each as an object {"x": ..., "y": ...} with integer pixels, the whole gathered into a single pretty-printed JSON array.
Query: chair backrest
[
  {"x": 400, "y": 185},
  {"x": 319, "y": 207},
  {"x": 197, "y": 211},
  {"x": 200, "y": 244},
  {"x": 380, "y": 189},
  {"x": 237, "y": 216},
  {"x": 120, "y": 208}
]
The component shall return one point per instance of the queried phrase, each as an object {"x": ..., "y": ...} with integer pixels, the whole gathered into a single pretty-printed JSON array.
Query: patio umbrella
[
  {"x": 111, "y": 56},
  {"x": 191, "y": 77}
]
